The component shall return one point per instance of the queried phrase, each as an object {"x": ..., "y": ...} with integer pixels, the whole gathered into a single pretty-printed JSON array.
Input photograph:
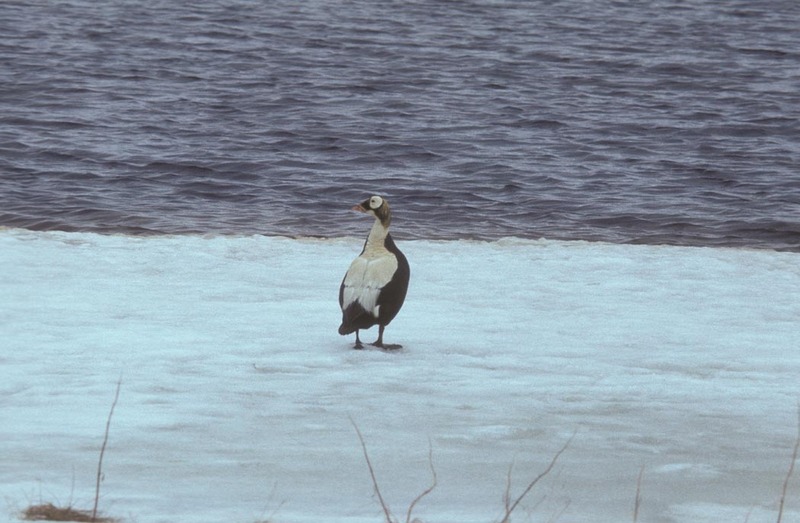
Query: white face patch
[{"x": 375, "y": 202}]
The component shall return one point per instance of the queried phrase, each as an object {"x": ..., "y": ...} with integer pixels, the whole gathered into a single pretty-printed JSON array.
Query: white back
[{"x": 367, "y": 275}]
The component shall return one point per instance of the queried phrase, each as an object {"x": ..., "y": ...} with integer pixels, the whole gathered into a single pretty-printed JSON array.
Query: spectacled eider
[{"x": 375, "y": 285}]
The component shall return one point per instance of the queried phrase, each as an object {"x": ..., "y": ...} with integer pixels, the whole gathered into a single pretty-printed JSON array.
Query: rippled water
[{"x": 651, "y": 122}]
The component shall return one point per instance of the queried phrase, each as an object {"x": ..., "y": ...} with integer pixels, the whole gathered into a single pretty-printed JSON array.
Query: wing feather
[{"x": 365, "y": 279}]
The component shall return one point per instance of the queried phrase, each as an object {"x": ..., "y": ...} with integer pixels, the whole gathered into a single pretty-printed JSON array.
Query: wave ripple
[{"x": 662, "y": 122}]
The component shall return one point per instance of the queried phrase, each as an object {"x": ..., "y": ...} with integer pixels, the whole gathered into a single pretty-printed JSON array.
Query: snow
[{"x": 237, "y": 393}]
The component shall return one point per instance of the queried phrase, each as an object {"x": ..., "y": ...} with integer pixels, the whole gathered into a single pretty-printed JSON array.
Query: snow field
[{"x": 237, "y": 392}]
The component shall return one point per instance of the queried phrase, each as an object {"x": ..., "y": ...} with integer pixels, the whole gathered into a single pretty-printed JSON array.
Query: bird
[{"x": 374, "y": 287}]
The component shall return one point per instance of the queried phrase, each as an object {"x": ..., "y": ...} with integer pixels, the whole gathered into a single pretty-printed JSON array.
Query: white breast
[{"x": 367, "y": 275}]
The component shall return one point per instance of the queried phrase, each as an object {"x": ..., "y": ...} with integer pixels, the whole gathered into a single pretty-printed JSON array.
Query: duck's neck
[{"x": 377, "y": 235}]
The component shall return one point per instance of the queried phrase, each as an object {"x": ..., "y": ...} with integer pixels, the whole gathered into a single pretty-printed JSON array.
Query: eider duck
[{"x": 375, "y": 285}]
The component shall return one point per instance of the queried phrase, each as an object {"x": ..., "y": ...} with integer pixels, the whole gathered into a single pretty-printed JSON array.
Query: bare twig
[
  {"x": 103, "y": 451},
  {"x": 560, "y": 513},
  {"x": 791, "y": 467},
  {"x": 535, "y": 480},
  {"x": 386, "y": 511},
  {"x": 638, "y": 500},
  {"x": 507, "y": 493},
  {"x": 270, "y": 499},
  {"x": 429, "y": 489}
]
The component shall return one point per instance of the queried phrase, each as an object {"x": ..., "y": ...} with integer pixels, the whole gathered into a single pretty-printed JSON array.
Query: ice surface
[{"x": 237, "y": 392}]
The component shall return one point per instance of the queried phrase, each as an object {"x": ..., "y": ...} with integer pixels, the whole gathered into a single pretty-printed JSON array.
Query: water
[{"x": 642, "y": 122}]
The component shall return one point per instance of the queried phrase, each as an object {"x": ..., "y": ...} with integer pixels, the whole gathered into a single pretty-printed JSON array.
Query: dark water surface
[{"x": 653, "y": 122}]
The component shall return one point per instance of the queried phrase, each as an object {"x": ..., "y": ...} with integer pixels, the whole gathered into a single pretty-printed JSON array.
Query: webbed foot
[{"x": 387, "y": 346}]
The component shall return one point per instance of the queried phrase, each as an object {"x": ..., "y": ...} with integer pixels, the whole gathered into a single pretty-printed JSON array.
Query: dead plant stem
[
  {"x": 791, "y": 467},
  {"x": 386, "y": 511},
  {"x": 103, "y": 451},
  {"x": 535, "y": 480},
  {"x": 638, "y": 501},
  {"x": 429, "y": 489}
]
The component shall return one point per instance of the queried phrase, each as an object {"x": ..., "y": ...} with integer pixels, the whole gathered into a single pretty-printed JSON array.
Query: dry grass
[
  {"x": 510, "y": 505},
  {"x": 50, "y": 512}
]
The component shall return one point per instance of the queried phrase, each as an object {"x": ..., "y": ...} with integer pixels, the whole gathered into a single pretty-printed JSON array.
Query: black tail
[
  {"x": 354, "y": 317},
  {"x": 346, "y": 329}
]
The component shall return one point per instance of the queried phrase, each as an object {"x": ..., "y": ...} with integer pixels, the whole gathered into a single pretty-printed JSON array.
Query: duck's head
[{"x": 377, "y": 207}]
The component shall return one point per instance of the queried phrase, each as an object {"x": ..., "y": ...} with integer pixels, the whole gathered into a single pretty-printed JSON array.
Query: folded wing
[{"x": 364, "y": 281}]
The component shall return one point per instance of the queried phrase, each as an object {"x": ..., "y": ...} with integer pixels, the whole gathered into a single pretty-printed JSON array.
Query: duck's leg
[
  {"x": 358, "y": 344},
  {"x": 387, "y": 346}
]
